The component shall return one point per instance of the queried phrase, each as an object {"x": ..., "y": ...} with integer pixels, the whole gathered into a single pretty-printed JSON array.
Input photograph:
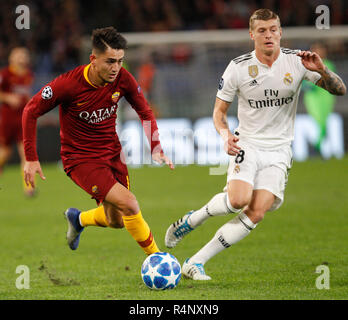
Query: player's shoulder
[
  {"x": 290, "y": 54},
  {"x": 75, "y": 73},
  {"x": 288, "y": 51},
  {"x": 244, "y": 57},
  {"x": 65, "y": 85},
  {"x": 69, "y": 81},
  {"x": 126, "y": 80},
  {"x": 124, "y": 73},
  {"x": 238, "y": 64}
]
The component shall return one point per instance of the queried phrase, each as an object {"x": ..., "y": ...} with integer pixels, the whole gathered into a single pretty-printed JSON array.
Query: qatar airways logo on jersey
[
  {"x": 271, "y": 100},
  {"x": 98, "y": 115}
]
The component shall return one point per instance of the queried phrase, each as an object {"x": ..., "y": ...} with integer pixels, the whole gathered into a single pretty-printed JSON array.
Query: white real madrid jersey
[{"x": 267, "y": 96}]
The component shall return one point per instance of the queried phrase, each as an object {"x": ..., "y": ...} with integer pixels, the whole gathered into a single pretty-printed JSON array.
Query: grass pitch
[{"x": 278, "y": 260}]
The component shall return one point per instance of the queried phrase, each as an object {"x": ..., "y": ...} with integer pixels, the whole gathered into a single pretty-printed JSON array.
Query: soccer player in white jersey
[{"x": 267, "y": 83}]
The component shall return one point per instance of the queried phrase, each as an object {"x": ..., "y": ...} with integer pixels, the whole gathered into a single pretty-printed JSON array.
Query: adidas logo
[{"x": 253, "y": 83}]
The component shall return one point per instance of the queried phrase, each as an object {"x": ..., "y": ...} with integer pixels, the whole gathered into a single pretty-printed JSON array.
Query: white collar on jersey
[{"x": 265, "y": 65}]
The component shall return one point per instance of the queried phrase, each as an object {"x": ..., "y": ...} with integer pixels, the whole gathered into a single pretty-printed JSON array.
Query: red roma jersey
[
  {"x": 87, "y": 116},
  {"x": 10, "y": 82}
]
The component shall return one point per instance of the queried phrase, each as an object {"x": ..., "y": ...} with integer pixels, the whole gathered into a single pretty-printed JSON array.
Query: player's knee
[
  {"x": 255, "y": 214},
  {"x": 124, "y": 205},
  {"x": 113, "y": 216},
  {"x": 129, "y": 206},
  {"x": 115, "y": 222},
  {"x": 237, "y": 201}
]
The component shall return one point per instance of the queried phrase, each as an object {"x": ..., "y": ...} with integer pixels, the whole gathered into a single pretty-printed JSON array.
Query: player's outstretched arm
[
  {"x": 221, "y": 125},
  {"x": 30, "y": 169},
  {"x": 329, "y": 80}
]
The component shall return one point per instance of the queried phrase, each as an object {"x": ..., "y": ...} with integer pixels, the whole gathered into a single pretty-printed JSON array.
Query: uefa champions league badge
[
  {"x": 47, "y": 93},
  {"x": 221, "y": 83},
  {"x": 139, "y": 89}
]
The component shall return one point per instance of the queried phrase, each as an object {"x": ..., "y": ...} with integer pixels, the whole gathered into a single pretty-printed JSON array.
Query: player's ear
[
  {"x": 251, "y": 34},
  {"x": 92, "y": 58}
]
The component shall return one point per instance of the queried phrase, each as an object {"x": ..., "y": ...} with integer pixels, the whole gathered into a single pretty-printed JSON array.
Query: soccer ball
[{"x": 161, "y": 271}]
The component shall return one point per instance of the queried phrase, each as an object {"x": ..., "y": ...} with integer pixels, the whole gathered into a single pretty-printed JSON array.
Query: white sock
[
  {"x": 219, "y": 205},
  {"x": 230, "y": 233}
]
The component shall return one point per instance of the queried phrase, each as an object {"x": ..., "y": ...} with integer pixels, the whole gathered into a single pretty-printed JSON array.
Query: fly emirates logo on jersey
[
  {"x": 272, "y": 99},
  {"x": 98, "y": 115}
]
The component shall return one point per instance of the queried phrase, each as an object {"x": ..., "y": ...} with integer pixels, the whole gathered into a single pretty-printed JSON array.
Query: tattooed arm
[
  {"x": 221, "y": 125},
  {"x": 329, "y": 80}
]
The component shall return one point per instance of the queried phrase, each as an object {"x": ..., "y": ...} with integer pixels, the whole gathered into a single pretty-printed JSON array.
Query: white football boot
[
  {"x": 177, "y": 231},
  {"x": 194, "y": 271}
]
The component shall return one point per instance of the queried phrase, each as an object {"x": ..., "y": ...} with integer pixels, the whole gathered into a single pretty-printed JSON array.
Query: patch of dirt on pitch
[{"x": 52, "y": 276}]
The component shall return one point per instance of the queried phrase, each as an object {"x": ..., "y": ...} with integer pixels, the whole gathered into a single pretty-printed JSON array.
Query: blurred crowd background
[
  {"x": 180, "y": 80},
  {"x": 57, "y": 26}
]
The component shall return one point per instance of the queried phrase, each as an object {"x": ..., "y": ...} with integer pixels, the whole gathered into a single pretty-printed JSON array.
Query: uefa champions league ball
[{"x": 161, "y": 271}]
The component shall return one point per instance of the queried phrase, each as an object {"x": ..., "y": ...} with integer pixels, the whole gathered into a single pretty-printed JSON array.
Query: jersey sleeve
[
  {"x": 308, "y": 75},
  {"x": 228, "y": 84},
  {"x": 138, "y": 102},
  {"x": 311, "y": 76},
  {"x": 51, "y": 95}
]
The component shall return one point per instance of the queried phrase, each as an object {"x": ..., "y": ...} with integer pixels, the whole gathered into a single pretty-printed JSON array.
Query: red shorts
[
  {"x": 98, "y": 178},
  {"x": 10, "y": 131}
]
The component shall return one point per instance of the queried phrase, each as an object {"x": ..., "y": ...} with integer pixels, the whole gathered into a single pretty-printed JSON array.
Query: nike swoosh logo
[{"x": 81, "y": 103}]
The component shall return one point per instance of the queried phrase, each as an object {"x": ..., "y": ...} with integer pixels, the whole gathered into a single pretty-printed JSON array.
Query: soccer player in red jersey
[
  {"x": 90, "y": 149},
  {"x": 15, "y": 90}
]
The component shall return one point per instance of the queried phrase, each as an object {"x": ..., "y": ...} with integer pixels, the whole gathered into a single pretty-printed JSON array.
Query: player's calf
[
  {"x": 230, "y": 233},
  {"x": 126, "y": 206},
  {"x": 141, "y": 232},
  {"x": 219, "y": 205}
]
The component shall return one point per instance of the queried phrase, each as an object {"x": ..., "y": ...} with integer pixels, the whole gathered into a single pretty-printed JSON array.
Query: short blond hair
[{"x": 262, "y": 14}]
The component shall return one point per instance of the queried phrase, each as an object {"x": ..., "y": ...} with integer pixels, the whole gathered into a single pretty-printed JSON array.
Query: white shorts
[{"x": 263, "y": 169}]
